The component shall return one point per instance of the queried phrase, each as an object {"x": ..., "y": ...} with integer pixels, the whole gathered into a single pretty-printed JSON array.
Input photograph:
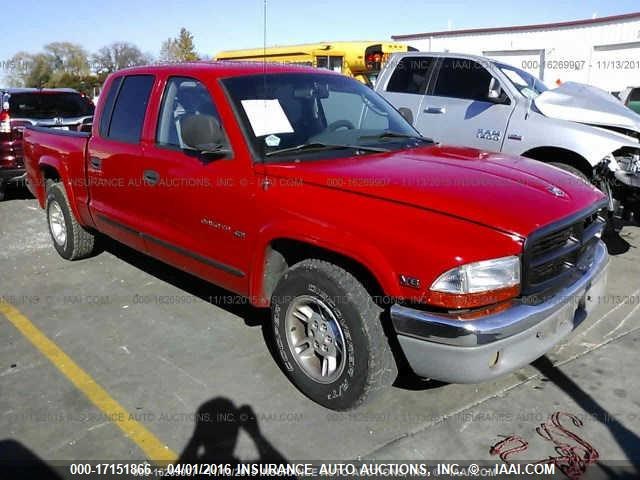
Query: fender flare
[
  {"x": 324, "y": 237},
  {"x": 58, "y": 166}
]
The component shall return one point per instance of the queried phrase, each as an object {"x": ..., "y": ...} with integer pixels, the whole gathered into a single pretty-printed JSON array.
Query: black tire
[
  {"x": 79, "y": 242},
  {"x": 369, "y": 363},
  {"x": 571, "y": 169},
  {"x": 3, "y": 190}
]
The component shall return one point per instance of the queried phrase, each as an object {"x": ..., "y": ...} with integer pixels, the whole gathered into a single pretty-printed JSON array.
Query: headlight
[{"x": 477, "y": 284}]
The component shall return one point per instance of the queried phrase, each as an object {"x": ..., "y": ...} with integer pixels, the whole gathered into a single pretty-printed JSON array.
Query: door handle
[
  {"x": 151, "y": 177},
  {"x": 435, "y": 110},
  {"x": 96, "y": 163}
]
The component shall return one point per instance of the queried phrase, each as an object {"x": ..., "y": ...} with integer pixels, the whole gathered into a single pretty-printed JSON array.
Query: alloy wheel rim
[
  {"x": 57, "y": 224},
  {"x": 315, "y": 339}
]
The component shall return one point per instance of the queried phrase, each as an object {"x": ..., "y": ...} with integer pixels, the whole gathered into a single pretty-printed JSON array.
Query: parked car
[
  {"x": 63, "y": 109},
  {"x": 630, "y": 97},
  {"x": 306, "y": 192},
  {"x": 478, "y": 102}
]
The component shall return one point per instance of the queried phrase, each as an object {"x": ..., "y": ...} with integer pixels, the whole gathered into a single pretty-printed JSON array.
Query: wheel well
[
  {"x": 49, "y": 173},
  {"x": 283, "y": 253},
  {"x": 561, "y": 155}
]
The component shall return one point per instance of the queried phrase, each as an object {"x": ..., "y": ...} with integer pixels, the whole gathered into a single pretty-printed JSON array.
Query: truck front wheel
[
  {"x": 571, "y": 169},
  {"x": 70, "y": 239},
  {"x": 329, "y": 337}
]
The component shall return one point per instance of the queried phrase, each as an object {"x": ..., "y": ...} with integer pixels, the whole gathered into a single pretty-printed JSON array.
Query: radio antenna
[
  {"x": 264, "y": 32},
  {"x": 264, "y": 46},
  {"x": 264, "y": 64}
]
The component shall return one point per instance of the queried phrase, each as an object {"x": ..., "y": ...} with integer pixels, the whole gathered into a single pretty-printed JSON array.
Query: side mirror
[
  {"x": 407, "y": 114},
  {"x": 203, "y": 134},
  {"x": 495, "y": 93}
]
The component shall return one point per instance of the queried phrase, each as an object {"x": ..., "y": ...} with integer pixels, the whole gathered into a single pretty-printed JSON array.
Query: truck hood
[
  {"x": 512, "y": 194},
  {"x": 586, "y": 104}
]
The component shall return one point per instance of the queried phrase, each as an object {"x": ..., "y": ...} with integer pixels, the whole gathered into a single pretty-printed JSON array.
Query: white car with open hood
[{"x": 482, "y": 103}]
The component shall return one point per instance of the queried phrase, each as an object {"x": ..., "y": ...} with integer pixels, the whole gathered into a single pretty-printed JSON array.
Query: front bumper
[{"x": 474, "y": 351}]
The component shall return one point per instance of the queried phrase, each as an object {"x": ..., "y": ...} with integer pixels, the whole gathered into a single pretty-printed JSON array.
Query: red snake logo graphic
[{"x": 573, "y": 458}]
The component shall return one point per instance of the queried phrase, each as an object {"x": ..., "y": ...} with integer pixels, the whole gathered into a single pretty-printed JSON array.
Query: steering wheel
[{"x": 332, "y": 127}]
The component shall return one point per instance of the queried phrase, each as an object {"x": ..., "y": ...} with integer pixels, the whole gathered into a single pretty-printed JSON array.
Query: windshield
[
  {"x": 527, "y": 84},
  {"x": 49, "y": 105},
  {"x": 316, "y": 115}
]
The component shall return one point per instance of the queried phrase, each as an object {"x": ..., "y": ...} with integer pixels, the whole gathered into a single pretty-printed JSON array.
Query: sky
[{"x": 222, "y": 24}]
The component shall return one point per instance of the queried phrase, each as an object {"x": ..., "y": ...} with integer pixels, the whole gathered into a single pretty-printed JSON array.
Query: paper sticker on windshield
[
  {"x": 272, "y": 141},
  {"x": 266, "y": 117}
]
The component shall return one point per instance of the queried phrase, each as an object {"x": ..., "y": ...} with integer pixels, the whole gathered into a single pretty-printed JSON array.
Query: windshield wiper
[
  {"x": 384, "y": 135},
  {"x": 323, "y": 146}
]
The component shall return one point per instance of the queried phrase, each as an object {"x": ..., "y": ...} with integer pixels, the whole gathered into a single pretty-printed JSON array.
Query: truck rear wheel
[
  {"x": 70, "y": 239},
  {"x": 329, "y": 337}
]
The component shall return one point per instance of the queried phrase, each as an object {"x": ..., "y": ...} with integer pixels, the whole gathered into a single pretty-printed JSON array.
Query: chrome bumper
[{"x": 476, "y": 350}]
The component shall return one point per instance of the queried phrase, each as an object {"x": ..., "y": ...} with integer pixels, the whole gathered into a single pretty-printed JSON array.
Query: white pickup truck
[{"x": 482, "y": 103}]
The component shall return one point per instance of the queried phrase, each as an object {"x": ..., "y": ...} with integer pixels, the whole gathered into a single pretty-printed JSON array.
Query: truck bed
[{"x": 56, "y": 152}]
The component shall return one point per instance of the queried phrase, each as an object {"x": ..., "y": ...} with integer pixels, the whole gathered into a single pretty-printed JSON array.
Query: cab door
[
  {"x": 408, "y": 84},
  {"x": 202, "y": 203},
  {"x": 114, "y": 170},
  {"x": 458, "y": 109}
]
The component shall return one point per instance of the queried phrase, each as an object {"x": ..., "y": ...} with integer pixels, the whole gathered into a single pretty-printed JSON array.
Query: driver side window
[
  {"x": 184, "y": 99},
  {"x": 462, "y": 78}
]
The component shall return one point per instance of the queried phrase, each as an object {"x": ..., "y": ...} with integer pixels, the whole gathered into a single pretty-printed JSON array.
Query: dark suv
[{"x": 64, "y": 109}]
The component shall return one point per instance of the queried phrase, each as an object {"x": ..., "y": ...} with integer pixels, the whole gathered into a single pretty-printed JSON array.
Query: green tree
[
  {"x": 117, "y": 56},
  {"x": 30, "y": 70},
  {"x": 41, "y": 72},
  {"x": 66, "y": 57},
  {"x": 180, "y": 49},
  {"x": 62, "y": 64}
]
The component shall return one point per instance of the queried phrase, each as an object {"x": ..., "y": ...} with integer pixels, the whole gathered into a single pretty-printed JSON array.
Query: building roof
[{"x": 519, "y": 28}]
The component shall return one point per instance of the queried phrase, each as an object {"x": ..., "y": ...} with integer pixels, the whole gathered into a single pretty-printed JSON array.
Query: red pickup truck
[{"x": 309, "y": 194}]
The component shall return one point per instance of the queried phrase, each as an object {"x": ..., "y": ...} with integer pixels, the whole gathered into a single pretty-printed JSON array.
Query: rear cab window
[
  {"x": 107, "y": 110},
  {"x": 125, "y": 108}
]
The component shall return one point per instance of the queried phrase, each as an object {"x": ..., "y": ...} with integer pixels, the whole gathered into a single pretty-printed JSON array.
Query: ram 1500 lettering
[{"x": 309, "y": 194}]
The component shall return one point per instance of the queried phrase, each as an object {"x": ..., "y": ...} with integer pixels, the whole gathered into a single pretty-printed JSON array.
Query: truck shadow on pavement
[
  {"x": 18, "y": 462},
  {"x": 17, "y": 192},
  {"x": 615, "y": 239},
  {"x": 208, "y": 292}
]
